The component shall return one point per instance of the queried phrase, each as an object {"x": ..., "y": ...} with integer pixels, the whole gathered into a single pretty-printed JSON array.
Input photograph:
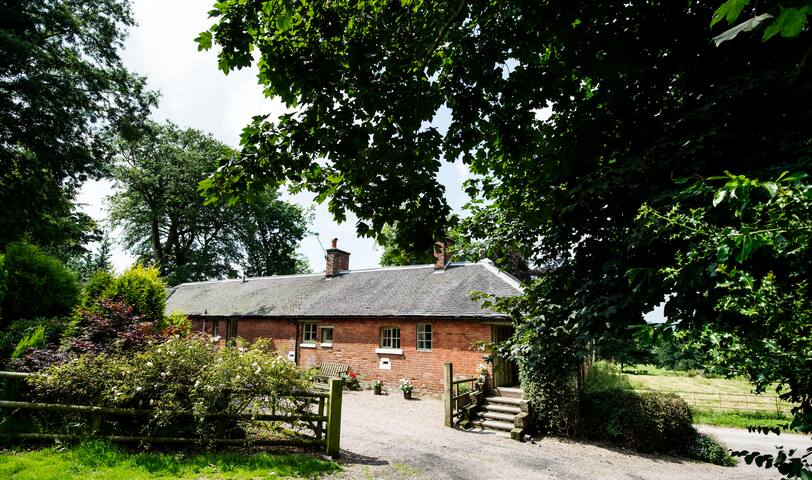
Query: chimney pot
[{"x": 334, "y": 243}]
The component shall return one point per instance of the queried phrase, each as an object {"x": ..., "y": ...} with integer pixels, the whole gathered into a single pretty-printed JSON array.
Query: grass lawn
[
  {"x": 101, "y": 460},
  {"x": 740, "y": 419}
]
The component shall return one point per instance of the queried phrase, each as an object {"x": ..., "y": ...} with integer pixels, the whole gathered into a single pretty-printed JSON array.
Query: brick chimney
[
  {"x": 337, "y": 260},
  {"x": 441, "y": 254}
]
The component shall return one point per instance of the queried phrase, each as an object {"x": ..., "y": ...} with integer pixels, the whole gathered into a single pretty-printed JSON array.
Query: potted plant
[
  {"x": 377, "y": 386},
  {"x": 406, "y": 387},
  {"x": 351, "y": 381},
  {"x": 482, "y": 371}
]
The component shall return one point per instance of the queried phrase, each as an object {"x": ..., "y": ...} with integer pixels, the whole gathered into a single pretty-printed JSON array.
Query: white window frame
[
  {"x": 306, "y": 340},
  {"x": 426, "y": 336},
  {"x": 327, "y": 343},
  {"x": 391, "y": 341}
]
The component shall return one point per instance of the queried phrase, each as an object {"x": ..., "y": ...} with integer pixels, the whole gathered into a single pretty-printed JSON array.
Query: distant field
[{"x": 717, "y": 395}]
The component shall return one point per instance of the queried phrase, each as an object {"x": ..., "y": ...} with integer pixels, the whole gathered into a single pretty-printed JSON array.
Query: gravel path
[
  {"x": 739, "y": 439},
  {"x": 389, "y": 437}
]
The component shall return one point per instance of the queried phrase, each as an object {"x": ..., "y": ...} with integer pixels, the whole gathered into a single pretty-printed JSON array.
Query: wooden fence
[
  {"x": 458, "y": 394},
  {"x": 325, "y": 423},
  {"x": 730, "y": 402}
]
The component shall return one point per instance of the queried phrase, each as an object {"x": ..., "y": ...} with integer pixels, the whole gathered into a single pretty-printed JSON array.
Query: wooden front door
[{"x": 505, "y": 372}]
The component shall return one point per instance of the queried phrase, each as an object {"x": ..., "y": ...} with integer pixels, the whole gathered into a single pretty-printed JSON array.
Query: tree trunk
[{"x": 157, "y": 248}]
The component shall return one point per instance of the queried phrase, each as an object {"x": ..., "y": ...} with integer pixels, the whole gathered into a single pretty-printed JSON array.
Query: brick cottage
[{"x": 388, "y": 323}]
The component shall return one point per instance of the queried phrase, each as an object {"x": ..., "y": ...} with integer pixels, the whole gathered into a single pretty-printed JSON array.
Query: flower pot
[
  {"x": 377, "y": 389},
  {"x": 407, "y": 395}
]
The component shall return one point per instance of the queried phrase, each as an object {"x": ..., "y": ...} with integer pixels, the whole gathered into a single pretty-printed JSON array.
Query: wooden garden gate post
[
  {"x": 334, "y": 418},
  {"x": 448, "y": 393}
]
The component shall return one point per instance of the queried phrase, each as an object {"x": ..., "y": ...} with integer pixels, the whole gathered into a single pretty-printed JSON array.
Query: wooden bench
[{"x": 328, "y": 370}]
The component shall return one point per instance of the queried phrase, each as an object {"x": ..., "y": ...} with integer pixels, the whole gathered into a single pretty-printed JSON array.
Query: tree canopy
[
  {"x": 166, "y": 222},
  {"x": 63, "y": 91},
  {"x": 574, "y": 116}
]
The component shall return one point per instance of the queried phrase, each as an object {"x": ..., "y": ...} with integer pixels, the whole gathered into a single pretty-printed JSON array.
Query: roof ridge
[
  {"x": 247, "y": 279},
  {"x": 296, "y": 275},
  {"x": 503, "y": 275}
]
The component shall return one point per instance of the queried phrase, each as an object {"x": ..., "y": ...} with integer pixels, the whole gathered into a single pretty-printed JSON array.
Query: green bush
[
  {"x": 2, "y": 284},
  {"x": 11, "y": 336},
  {"x": 646, "y": 422},
  {"x": 705, "y": 448},
  {"x": 35, "y": 284},
  {"x": 34, "y": 339},
  {"x": 95, "y": 287},
  {"x": 177, "y": 322},
  {"x": 179, "y": 377},
  {"x": 141, "y": 288}
]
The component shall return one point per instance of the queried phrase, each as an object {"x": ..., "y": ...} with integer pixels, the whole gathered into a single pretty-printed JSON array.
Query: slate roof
[{"x": 394, "y": 291}]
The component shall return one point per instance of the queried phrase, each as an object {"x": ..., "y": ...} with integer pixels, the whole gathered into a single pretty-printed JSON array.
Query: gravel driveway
[{"x": 389, "y": 437}]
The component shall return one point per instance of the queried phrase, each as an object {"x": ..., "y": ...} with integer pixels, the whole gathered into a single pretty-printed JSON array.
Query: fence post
[
  {"x": 448, "y": 393},
  {"x": 334, "y": 418}
]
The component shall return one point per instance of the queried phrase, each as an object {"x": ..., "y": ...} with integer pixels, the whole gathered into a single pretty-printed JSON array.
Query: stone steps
[
  {"x": 492, "y": 424},
  {"x": 504, "y": 400},
  {"x": 509, "y": 392},
  {"x": 498, "y": 411},
  {"x": 504, "y": 417},
  {"x": 494, "y": 407}
]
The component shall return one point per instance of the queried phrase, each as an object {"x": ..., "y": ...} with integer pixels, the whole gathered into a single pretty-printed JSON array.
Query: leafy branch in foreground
[
  {"x": 752, "y": 243},
  {"x": 788, "y": 18}
]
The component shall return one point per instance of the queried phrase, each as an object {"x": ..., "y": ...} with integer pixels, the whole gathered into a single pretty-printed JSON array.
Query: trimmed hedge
[{"x": 645, "y": 422}]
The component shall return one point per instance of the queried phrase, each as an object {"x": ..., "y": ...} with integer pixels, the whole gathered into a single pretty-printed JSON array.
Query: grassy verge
[
  {"x": 101, "y": 460},
  {"x": 740, "y": 419}
]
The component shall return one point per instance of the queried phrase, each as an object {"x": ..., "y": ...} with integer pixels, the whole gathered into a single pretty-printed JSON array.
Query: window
[
  {"x": 424, "y": 337},
  {"x": 390, "y": 337},
  {"x": 308, "y": 333},
  {"x": 215, "y": 329},
  {"x": 326, "y": 336}
]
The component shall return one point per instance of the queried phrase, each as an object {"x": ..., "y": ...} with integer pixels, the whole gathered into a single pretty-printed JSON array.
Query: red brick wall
[
  {"x": 281, "y": 332},
  {"x": 355, "y": 341}
]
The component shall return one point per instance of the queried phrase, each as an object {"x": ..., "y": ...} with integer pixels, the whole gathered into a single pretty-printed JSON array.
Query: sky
[{"x": 194, "y": 93}]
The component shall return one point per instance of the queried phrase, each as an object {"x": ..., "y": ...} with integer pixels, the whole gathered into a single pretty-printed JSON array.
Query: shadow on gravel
[
  {"x": 352, "y": 458},
  {"x": 656, "y": 457}
]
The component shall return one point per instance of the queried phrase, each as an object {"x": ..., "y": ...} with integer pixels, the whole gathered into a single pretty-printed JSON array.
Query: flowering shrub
[
  {"x": 351, "y": 381},
  {"x": 185, "y": 381},
  {"x": 377, "y": 382},
  {"x": 406, "y": 385}
]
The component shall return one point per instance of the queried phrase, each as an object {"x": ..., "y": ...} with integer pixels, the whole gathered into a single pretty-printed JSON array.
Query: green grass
[
  {"x": 102, "y": 460},
  {"x": 740, "y": 419}
]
